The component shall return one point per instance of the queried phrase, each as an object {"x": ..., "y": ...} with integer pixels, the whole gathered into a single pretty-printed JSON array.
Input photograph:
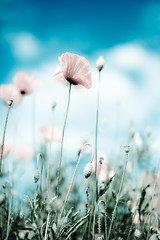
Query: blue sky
[{"x": 126, "y": 33}]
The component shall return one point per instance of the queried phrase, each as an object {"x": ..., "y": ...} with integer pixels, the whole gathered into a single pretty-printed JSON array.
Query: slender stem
[
  {"x": 4, "y": 133},
  {"x": 118, "y": 197},
  {"x": 10, "y": 203},
  {"x": 49, "y": 157},
  {"x": 96, "y": 146},
  {"x": 59, "y": 166},
  {"x": 66, "y": 199}
]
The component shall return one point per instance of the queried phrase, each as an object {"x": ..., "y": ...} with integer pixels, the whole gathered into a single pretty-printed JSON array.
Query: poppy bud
[
  {"x": 10, "y": 103},
  {"x": 36, "y": 176},
  {"x": 137, "y": 233},
  {"x": 88, "y": 170},
  {"x": 126, "y": 148},
  {"x": 100, "y": 63}
]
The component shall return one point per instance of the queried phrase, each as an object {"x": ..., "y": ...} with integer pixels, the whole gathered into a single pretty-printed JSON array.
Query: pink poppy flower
[
  {"x": 50, "y": 133},
  {"x": 7, "y": 147},
  {"x": 74, "y": 69},
  {"x": 22, "y": 153},
  {"x": 10, "y": 92},
  {"x": 26, "y": 83}
]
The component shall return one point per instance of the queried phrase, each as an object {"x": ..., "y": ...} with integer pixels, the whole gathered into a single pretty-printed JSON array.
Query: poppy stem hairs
[
  {"x": 4, "y": 133},
  {"x": 63, "y": 132}
]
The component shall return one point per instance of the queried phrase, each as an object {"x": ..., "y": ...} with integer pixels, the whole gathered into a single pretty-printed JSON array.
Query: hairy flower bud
[
  {"x": 36, "y": 176},
  {"x": 10, "y": 103},
  {"x": 88, "y": 170},
  {"x": 100, "y": 63}
]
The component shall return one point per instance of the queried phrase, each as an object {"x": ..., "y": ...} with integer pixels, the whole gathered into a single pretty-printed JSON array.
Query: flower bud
[
  {"x": 54, "y": 105},
  {"x": 137, "y": 233},
  {"x": 126, "y": 148},
  {"x": 36, "y": 176},
  {"x": 100, "y": 63},
  {"x": 10, "y": 103},
  {"x": 88, "y": 170}
]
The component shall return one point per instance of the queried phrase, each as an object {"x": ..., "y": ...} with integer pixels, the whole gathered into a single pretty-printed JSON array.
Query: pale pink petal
[
  {"x": 10, "y": 92},
  {"x": 23, "y": 153},
  {"x": 26, "y": 83},
  {"x": 75, "y": 70},
  {"x": 50, "y": 133},
  {"x": 6, "y": 148}
]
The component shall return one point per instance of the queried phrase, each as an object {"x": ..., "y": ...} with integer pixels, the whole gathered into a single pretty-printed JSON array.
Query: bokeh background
[{"x": 126, "y": 33}]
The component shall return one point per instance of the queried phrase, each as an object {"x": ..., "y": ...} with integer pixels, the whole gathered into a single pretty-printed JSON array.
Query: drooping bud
[
  {"x": 10, "y": 102},
  {"x": 100, "y": 63},
  {"x": 36, "y": 176},
  {"x": 126, "y": 148},
  {"x": 88, "y": 170}
]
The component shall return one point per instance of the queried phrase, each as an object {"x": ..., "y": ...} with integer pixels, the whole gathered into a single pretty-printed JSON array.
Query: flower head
[
  {"x": 74, "y": 69},
  {"x": 50, "y": 133},
  {"x": 10, "y": 92},
  {"x": 23, "y": 153},
  {"x": 26, "y": 83}
]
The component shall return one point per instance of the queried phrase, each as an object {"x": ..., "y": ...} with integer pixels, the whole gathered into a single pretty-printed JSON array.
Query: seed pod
[
  {"x": 36, "y": 176},
  {"x": 88, "y": 170}
]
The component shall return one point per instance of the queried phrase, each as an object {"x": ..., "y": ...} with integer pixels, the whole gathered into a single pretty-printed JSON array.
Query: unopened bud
[
  {"x": 88, "y": 170},
  {"x": 137, "y": 233},
  {"x": 101, "y": 159},
  {"x": 126, "y": 148},
  {"x": 100, "y": 63},
  {"x": 36, "y": 176},
  {"x": 10, "y": 102}
]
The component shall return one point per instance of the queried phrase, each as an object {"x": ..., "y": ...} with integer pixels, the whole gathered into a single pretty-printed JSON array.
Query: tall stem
[
  {"x": 118, "y": 197},
  {"x": 87, "y": 144},
  {"x": 96, "y": 146},
  {"x": 59, "y": 166},
  {"x": 4, "y": 133}
]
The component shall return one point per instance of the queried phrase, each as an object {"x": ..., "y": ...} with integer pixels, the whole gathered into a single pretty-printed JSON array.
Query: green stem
[
  {"x": 59, "y": 166},
  {"x": 118, "y": 197},
  {"x": 4, "y": 133},
  {"x": 66, "y": 199},
  {"x": 45, "y": 238},
  {"x": 96, "y": 146}
]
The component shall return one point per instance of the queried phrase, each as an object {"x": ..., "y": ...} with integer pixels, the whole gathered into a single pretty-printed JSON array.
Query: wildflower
[
  {"x": 100, "y": 63},
  {"x": 88, "y": 170},
  {"x": 137, "y": 233},
  {"x": 50, "y": 133},
  {"x": 74, "y": 69},
  {"x": 10, "y": 92},
  {"x": 26, "y": 83}
]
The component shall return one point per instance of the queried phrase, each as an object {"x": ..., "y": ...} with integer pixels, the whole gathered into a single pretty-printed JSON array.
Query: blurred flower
[
  {"x": 50, "y": 133},
  {"x": 10, "y": 92},
  {"x": 22, "y": 153},
  {"x": 100, "y": 63},
  {"x": 74, "y": 69},
  {"x": 26, "y": 83},
  {"x": 7, "y": 147},
  {"x": 154, "y": 237},
  {"x": 138, "y": 140},
  {"x": 137, "y": 233}
]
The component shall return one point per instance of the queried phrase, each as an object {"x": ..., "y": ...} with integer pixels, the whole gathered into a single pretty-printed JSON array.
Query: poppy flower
[
  {"x": 50, "y": 133},
  {"x": 10, "y": 92},
  {"x": 74, "y": 69},
  {"x": 26, "y": 83}
]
